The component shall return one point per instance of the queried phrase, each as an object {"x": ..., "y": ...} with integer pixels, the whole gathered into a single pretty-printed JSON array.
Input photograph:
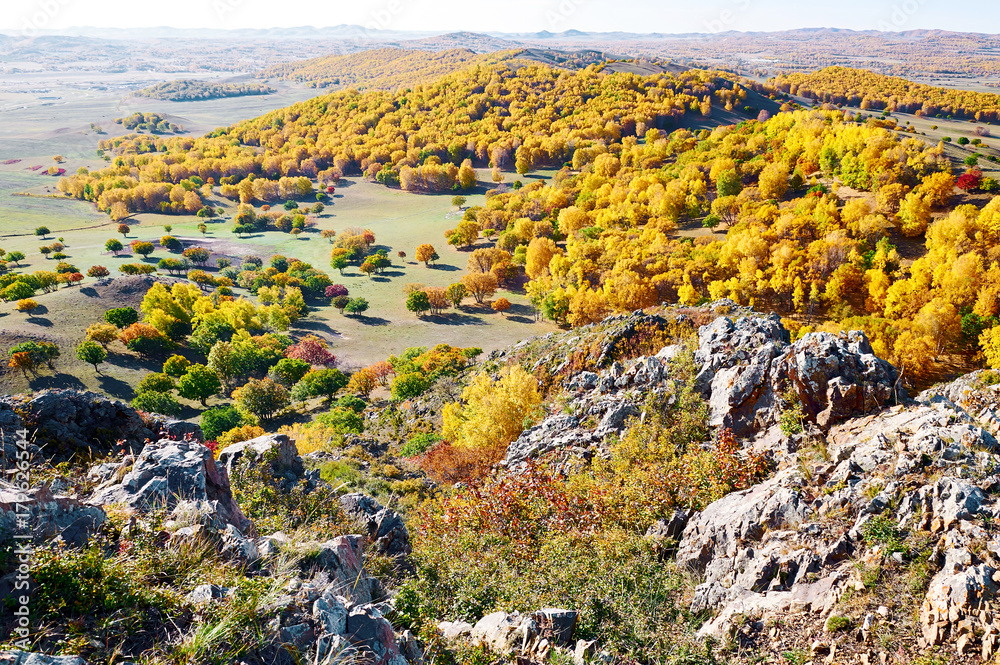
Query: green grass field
[{"x": 400, "y": 221}]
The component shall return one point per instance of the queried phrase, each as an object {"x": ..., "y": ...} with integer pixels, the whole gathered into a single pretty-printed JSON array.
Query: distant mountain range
[{"x": 348, "y": 31}]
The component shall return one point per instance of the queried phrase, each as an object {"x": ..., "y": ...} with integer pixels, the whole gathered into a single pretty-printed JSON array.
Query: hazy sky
[{"x": 509, "y": 15}]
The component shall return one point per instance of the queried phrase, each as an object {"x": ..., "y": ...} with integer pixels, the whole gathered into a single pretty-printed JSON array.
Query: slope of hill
[
  {"x": 857, "y": 87},
  {"x": 381, "y": 68}
]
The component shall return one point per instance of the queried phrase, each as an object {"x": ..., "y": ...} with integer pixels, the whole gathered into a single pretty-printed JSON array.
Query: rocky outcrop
[
  {"x": 66, "y": 422},
  {"x": 278, "y": 449},
  {"x": 167, "y": 473},
  {"x": 746, "y": 369},
  {"x": 532, "y": 635},
  {"x": 27, "y": 658},
  {"x": 386, "y": 530},
  {"x": 749, "y": 372},
  {"x": 47, "y": 516}
]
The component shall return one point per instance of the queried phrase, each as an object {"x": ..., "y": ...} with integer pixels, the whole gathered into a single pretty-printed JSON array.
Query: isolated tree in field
[
  {"x": 102, "y": 333},
  {"x": 42, "y": 231},
  {"x": 456, "y": 293},
  {"x": 15, "y": 257},
  {"x": 142, "y": 248},
  {"x": 402, "y": 255},
  {"x": 199, "y": 255},
  {"x": 28, "y": 305},
  {"x": 74, "y": 278},
  {"x": 335, "y": 290},
  {"x": 319, "y": 383},
  {"x": 458, "y": 201},
  {"x": 260, "y": 399},
  {"x": 426, "y": 254},
  {"x": 362, "y": 382},
  {"x": 418, "y": 302},
  {"x": 98, "y": 271},
  {"x": 91, "y": 353},
  {"x": 200, "y": 383},
  {"x": 22, "y": 360},
  {"x": 357, "y": 306},
  {"x": 203, "y": 229},
  {"x": 480, "y": 285},
  {"x": 114, "y": 246},
  {"x": 45, "y": 251},
  {"x": 122, "y": 317},
  {"x": 124, "y": 230},
  {"x": 501, "y": 305}
]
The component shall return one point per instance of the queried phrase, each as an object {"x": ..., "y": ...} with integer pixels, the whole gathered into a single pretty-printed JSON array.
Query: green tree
[
  {"x": 155, "y": 383},
  {"x": 175, "y": 366},
  {"x": 15, "y": 257},
  {"x": 408, "y": 386},
  {"x": 114, "y": 246},
  {"x": 91, "y": 353},
  {"x": 289, "y": 371},
  {"x": 122, "y": 317},
  {"x": 418, "y": 302},
  {"x": 200, "y": 383},
  {"x": 42, "y": 231},
  {"x": 162, "y": 403},
  {"x": 260, "y": 399},
  {"x": 218, "y": 420},
  {"x": 339, "y": 262},
  {"x": 357, "y": 306},
  {"x": 319, "y": 383}
]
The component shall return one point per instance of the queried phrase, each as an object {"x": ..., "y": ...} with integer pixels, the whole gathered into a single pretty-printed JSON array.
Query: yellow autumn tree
[{"x": 493, "y": 413}]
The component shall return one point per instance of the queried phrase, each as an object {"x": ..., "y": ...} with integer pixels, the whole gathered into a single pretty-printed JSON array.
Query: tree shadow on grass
[
  {"x": 372, "y": 320},
  {"x": 317, "y": 326},
  {"x": 40, "y": 321},
  {"x": 116, "y": 387},
  {"x": 520, "y": 319},
  {"x": 444, "y": 266},
  {"x": 129, "y": 361},
  {"x": 455, "y": 319},
  {"x": 89, "y": 291},
  {"x": 58, "y": 380}
]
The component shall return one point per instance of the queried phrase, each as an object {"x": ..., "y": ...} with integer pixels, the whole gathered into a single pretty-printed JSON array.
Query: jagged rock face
[
  {"x": 386, "y": 530},
  {"x": 784, "y": 547},
  {"x": 744, "y": 369},
  {"x": 747, "y": 367},
  {"x": 167, "y": 472},
  {"x": 69, "y": 421}
]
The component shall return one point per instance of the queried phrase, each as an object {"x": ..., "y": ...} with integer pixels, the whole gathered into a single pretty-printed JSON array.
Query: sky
[{"x": 669, "y": 16}]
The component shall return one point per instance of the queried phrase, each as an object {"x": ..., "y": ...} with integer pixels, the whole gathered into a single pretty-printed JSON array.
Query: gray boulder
[
  {"x": 168, "y": 472},
  {"x": 285, "y": 460},
  {"x": 16, "y": 657},
  {"x": 341, "y": 559}
]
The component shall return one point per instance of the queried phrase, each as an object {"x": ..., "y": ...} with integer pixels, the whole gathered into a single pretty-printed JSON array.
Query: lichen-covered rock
[
  {"x": 341, "y": 560},
  {"x": 168, "y": 472},
  {"x": 28, "y": 658}
]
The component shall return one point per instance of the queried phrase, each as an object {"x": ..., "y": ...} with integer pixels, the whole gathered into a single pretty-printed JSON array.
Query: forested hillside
[
  {"x": 380, "y": 69},
  {"x": 868, "y": 90},
  {"x": 600, "y": 237}
]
